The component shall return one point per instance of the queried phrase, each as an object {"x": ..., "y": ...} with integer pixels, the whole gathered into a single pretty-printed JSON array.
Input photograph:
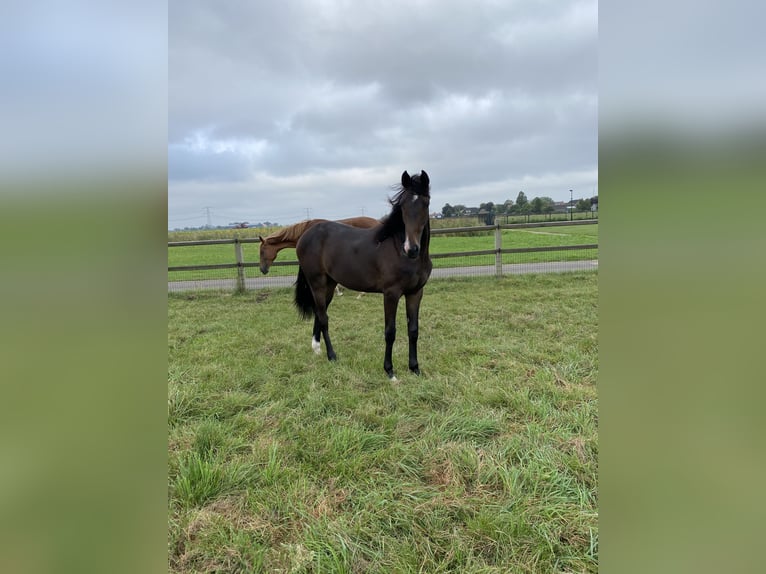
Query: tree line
[{"x": 521, "y": 206}]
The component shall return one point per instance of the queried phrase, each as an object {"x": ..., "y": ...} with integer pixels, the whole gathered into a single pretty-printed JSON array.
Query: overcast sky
[{"x": 294, "y": 108}]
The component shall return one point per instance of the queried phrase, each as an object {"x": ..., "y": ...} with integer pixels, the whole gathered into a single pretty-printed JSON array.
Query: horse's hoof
[
  {"x": 332, "y": 357},
  {"x": 416, "y": 370}
]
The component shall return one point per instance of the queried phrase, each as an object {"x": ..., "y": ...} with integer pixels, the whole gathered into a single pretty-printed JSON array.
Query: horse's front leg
[
  {"x": 413, "y": 310},
  {"x": 390, "y": 304}
]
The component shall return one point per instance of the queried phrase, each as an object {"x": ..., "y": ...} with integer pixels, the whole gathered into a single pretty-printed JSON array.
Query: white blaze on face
[
  {"x": 407, "y": 243},
  {"x": 315, "y": 345}
]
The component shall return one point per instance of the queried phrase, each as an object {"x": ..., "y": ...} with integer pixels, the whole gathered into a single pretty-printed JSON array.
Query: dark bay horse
[{"x": 391, "y": 258}]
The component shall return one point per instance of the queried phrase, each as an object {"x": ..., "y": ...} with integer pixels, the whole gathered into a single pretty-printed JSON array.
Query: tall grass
[{"x": 280, "y": 461}]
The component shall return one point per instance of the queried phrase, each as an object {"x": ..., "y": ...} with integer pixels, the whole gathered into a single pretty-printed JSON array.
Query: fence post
[
  {"x": 498, "y": 247},
  {"x": 240, "y": 266}
]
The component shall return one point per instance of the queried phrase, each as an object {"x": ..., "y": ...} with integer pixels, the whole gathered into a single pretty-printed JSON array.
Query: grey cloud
[
  {"x": 185, "y": 164},
  {"x": 475, "y": 93}
]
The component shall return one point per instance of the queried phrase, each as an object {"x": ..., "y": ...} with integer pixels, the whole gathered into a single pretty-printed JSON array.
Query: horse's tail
[{"x": 304, "y": 299}]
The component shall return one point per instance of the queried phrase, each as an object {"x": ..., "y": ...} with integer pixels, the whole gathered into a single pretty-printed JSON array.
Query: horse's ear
[
  {"x": 262, "y": 239},
  {"x": 406, "y": 180},
  {"x": 424, "y": 179}
]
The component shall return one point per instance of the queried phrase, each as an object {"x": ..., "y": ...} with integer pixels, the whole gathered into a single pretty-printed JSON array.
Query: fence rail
[
  {"x": 213, "y": 242},
  {"x": 242, "y": 282}
]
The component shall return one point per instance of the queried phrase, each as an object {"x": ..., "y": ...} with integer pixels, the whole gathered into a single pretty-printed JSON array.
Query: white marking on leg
[
  {"x": 394, "y": 379},
  {"x": 315, "y": 345}
]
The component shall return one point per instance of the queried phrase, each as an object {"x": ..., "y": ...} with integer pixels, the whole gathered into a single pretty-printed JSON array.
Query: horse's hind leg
[
  {"x": 413, "y": 309},
  {"x": 323, "y": 327},
  {"x": 321, "y": 320},
  {"x": 322, "y": 291},
  {"x": 315, "y": 346},
  {"x": 390, "y": 304}
]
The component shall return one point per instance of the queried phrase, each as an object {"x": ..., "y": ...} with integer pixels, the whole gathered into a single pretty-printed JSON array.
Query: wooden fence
[{"x": 240, "y": 264}]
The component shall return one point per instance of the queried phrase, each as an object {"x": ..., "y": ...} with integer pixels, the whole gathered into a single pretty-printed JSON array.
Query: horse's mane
[
  {"x": 393, "y": 223},
  {"x": 291, "y": 233}
]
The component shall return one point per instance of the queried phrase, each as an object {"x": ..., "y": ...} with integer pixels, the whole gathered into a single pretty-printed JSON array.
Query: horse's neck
[
  {"x": 425, "y": 240},
  {"x": 289, "y": 236},
  {"x": 278, "y": 238},
  {"x": 281, "y": 244}
]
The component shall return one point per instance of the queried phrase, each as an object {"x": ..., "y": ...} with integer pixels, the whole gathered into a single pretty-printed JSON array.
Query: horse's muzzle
[{"x": 413, "y": 252}]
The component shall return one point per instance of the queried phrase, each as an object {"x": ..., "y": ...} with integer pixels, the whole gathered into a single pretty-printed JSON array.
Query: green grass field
[
  {"x": 280, "y": 461},
  {"x": 512, "y": 239}
]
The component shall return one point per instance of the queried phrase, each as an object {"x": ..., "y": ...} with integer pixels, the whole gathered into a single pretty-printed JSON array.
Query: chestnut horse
[
  {"x": 289, "y": 236},
  {"x": 391, "y": 258}
]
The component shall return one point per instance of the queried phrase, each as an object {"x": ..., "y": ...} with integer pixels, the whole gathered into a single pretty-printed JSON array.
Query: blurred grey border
[
  {"x": 83, "y": 186},
  {"x": 682, "y": 142}
]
